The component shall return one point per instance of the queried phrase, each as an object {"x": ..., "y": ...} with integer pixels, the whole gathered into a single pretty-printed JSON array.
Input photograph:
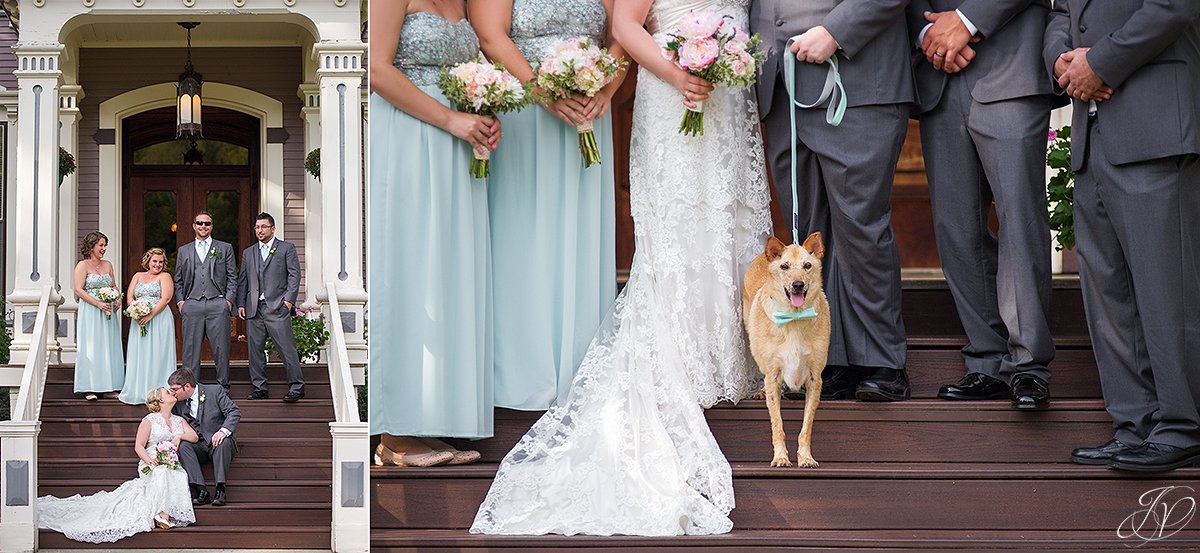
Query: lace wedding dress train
[
  {"x": 129, "y": 509},
  {"x": 629, "y": 450}
]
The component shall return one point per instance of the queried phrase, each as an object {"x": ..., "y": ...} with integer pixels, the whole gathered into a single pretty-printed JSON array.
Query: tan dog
[{"x": 789, "y": 343}]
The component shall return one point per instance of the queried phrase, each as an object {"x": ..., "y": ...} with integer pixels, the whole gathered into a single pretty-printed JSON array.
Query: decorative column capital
[
  {"x": 37, "y": 59},
  {"x": 310, "y": 97},
  {"x": 340, "y": 59}
]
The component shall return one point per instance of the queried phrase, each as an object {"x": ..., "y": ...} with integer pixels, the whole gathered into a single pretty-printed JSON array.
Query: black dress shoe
[
  {"x": 1030, "y": 393},
  {"x": 975, "y": 386},
  {"x": 219, "y": 496},
  {"x": 1152, "y": 457},
  {"x": 294, "y": 396},
  {"x": 258, "y": 394},
  {"x": 884, "y": 385},
  {"x": 836, "y": 383},
  {"x": 201, "y": 498},
  {"x": 1100, "y": 455}
]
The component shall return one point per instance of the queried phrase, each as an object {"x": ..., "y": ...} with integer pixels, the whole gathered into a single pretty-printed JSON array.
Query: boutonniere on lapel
[
  {"x": 271, "y": 253},
  {"x": 202, "y": 398},
  {"x": 213, "y": 251}
]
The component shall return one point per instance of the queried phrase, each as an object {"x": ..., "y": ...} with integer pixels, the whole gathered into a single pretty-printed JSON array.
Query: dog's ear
[
  {"x": 774, "y": 248},
  {"x": 814, "y": 245}
]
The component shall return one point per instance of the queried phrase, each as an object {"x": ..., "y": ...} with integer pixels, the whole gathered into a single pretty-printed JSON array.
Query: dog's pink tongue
[{"x": 797, "y": 300}]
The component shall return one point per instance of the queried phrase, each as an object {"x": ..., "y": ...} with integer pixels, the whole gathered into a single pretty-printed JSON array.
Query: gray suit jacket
[
  {"x": 279, "y": 276},
  {"x": 873, "y": 57},
  {"x": 221, "y": 269},
  {"x": 215, "y": 412},
  {"x": 1149, "y": 52},
  {"x": 1007, "y": 64}
]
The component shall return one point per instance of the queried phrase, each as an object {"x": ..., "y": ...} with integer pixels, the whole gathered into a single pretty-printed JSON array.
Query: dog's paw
[
  {"x": 806, "y": 462},
  {"x": 760, "y": 394},
  {"x": 781, "y": 462}
]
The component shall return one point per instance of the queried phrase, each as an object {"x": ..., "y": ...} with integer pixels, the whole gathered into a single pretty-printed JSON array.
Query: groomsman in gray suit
[
  {"x": 1133, "y": 69},
  {"x": 205, "y": 283},
  {"x": 845, "y": 172},
  {"x": 984, "y": 103},
  {"x": 267, "y": 288}
]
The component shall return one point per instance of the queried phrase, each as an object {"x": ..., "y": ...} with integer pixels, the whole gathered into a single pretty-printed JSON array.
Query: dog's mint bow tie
[{"x": 784, "y": 317}]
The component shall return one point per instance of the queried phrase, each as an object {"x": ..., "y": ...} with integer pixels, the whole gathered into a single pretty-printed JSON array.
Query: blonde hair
[
  {"x": 152, "y": 401},
  {"x": 150, "y": 253}
]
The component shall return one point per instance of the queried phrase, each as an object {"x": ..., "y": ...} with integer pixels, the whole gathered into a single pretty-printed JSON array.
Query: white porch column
[
  {"x": 68, "y": 217},
  {"x": 35, "y": 188},
  {"x": 339, "y": 81},
  {"x": 310, "y": 95},
  {"x": 18, "y": 487}
]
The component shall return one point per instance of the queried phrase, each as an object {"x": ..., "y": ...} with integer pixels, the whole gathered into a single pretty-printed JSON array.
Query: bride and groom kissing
[{"x": 189, "y": 425}]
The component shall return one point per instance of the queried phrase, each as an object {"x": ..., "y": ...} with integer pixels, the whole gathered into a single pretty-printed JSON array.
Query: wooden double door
[{"x": 161, "y": 199}]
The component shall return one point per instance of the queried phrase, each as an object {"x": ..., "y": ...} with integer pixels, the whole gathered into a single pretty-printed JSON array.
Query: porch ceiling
[{"x": 147, "y": 32}]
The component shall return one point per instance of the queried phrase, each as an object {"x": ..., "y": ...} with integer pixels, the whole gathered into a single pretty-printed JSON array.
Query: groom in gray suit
[
  {"x": 845, "y": 172},
  {"x": 984, "y": 104},
  {"x": 266, "y": 297},
  {"x": 214, "y": 417},
  {"x": 1136, "y": 158},
  {"x": 205, "y": 283}
]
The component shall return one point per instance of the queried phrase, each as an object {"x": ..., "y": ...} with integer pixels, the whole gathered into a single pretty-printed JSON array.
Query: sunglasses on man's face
[{"x": 203, "y": 223}]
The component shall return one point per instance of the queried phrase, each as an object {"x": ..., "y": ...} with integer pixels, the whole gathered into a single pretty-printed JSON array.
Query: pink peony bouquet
[
  {"x": 578, "y": 67},
  {"x": 484, "y": 89},
  {"x": 166, "y": 455},
  {"x": 708, "y": 46},
  {"x": 108, "y": 294},
  {"x": 138, "y": 309}
]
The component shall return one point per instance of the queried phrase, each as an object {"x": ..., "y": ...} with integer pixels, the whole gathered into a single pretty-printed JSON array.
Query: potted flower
[{"x": 1060, "y": 192}]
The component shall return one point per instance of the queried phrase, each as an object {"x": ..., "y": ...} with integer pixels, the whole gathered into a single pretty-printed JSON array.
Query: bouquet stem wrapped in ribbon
[
  {"x": 708, "y": 46},
  {"x": 483, "y": 89},
  {"x": 578, "y": 67},
  {"x": 138, "y": 309},
  {"x": 108, "y": 294}
]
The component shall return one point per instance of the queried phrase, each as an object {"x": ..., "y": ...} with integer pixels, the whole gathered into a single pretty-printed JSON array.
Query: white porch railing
[
  {"x": 351, "y": 518},
  {"x": 18, "y": 441}
]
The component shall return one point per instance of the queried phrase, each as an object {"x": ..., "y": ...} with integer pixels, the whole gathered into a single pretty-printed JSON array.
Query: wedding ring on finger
[{"x": 939, "y": 54}]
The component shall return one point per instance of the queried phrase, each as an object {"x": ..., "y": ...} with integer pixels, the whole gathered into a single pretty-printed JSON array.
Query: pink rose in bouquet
[
  {"x": 709, "y": 46},
  {"x": 578, "y": 67}
]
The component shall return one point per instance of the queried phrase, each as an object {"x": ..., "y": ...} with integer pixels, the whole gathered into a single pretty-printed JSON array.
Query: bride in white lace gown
[
  {"x": 629, "y": 451},
  {"x": 158, "y": 494}
]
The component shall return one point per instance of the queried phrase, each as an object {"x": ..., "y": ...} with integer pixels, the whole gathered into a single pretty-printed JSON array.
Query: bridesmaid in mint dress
[
  {"x": 151, "y": 358},
  {"x": 552, "y": 220},
  {"x": 99, "y": 364},
  {"x": 430, "y": 348}
]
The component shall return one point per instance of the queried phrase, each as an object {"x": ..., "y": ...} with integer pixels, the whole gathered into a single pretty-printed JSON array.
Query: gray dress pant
[
  {"x": 207, "y": 317},
  {"x": 278, "y": 325}
]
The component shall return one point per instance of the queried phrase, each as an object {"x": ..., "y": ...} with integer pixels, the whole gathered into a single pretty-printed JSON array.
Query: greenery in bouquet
[
  {"x": 483, "y": 89},
  {"x": 709, "y": 46},
  {"x": 577, "y": 67}
]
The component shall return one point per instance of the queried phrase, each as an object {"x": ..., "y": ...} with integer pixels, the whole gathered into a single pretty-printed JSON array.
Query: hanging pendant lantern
[{"x": 187, "y": 94}]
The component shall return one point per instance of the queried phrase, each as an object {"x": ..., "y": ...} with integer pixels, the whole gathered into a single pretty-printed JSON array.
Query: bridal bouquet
[
  {"x": 108, "y": 294},
  {"x": 708, "y": 46},
  {"x": 139, "y": 309},
  {"x": 578, "y": 67},
  {"x": 166, "y": 455},
  {"x": 483, "y": 89}
]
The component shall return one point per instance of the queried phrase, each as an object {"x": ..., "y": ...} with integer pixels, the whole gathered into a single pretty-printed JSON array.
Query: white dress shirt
[{"x": 202, "y": 247}]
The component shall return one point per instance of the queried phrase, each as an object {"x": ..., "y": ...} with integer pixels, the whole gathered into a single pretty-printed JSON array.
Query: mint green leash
[{"x": 833, "y": 115}]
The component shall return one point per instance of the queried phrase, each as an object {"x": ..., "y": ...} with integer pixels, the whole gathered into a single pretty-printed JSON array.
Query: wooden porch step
[
  {"x": 976, "y": 540},
  {"x": 919, "y": 430},
  {"x": 265, "y": 534},
  {"x": 250, "y": 469},
  {"x": 294, "y": 427},
  {"x": 64, "y": 389},
  {"x": 314, "y": 373},
  {"x": 843, "y": 496},
  {"x": 121, "y": 447},
  {"x": 308, "y": 407},
  {"x": 309, "y": 492}
]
